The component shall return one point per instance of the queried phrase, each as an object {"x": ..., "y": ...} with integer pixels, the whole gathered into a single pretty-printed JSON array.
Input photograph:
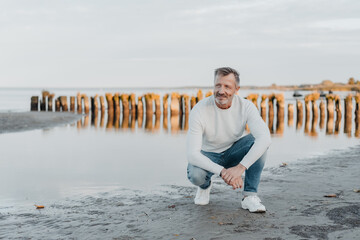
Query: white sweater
[{"x": 213, "y": 129}]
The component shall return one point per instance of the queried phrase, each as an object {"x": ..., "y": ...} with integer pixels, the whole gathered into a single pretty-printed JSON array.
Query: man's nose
[{"x": 221, "y": 90}]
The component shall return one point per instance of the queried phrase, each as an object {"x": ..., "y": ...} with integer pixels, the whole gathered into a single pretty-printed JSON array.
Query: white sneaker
[
  {"x": 202, "y": 196},
  {"x": 253, "y": 204}
]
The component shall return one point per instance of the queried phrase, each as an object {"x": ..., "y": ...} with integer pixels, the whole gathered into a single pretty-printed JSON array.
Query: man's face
[{"x": 224, "y": 90}]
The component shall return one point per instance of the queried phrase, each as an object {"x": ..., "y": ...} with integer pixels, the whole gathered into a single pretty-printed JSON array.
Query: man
[{"x": 215, "y": 144}]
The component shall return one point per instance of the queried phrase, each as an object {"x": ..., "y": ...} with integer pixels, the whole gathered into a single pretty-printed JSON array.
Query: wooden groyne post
[
  {"x": 357, "y": 115},
  {"x": 348, "y": 114},
  {"x": 290, "y": 114},
  {"x": 280, "y": 107},
  {"x": 322, "y": 114},
  {"x": 271, "y": 99},
  {"x": 299, "y": 114},
  {"x": 140, "y": 111},
  {"x": 330, "y": 113},
  {"x": 263, "y": 106},
  {"x": 338, "y": 113},
  {"x": 34, "y": 105}
]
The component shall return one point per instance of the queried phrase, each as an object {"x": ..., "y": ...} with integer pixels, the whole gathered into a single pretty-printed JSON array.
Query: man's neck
[{"x": 226, "y": 106}]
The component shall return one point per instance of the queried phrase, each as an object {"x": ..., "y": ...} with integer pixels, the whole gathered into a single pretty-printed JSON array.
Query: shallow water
[{"x": 88, "y": 157}]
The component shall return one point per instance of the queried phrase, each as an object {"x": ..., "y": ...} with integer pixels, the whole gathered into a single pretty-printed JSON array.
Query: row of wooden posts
[
  {"x": 330, "y": 108},
  {"x": 181, "y": 105}
]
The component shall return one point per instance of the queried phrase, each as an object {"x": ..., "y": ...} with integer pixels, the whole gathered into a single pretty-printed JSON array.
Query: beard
[{"x": 224, "y": 99}]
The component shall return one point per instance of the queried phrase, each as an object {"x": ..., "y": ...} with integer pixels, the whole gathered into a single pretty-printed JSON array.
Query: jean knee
[{"x": 197, "y": 176}]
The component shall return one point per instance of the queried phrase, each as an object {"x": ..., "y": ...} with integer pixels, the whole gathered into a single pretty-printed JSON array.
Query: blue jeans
[{"x": 230, "y": 158}]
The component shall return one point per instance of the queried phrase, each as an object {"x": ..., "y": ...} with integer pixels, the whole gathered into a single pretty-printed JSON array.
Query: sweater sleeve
[
  {"x": 261, "y": 134},
  {"x": 194, "y": 143}
]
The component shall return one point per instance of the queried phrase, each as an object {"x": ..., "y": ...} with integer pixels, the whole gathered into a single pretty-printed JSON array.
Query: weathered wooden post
[
  {"x": 125, "y": 104},
  {"x": 57, "y": 105},
  {"x": 199, "y": 95},
  {"x": 44, "y": 94},
  {"x": 50, "y": 102},
  {"x": 132, "y": 102},
  {"x": 307, "y": 113},
  {"x": 271, "y": 99},
  {"x": 338, "y": 114},
  {"x": 315, "y": 116},
  {"x": 117, "y": 111},
  {"x": 253, "y": 98},
  {"x": 156, "y": 98},
  {"x": 94, "y": 110},
  {"x": 186, "y": 103},
  {"x": 174, "y": 105},
  {"x": 34, "y": 106},
  {"x": 165, "y": 104},
  {"x": 181, "y": 108},
  {"x": 263, "y": 106},
  {"x": 322, "y": 114},
  {"x": 290, "y": 114},
  {"x": 110, "y": 102},
  {"x": 357, "y": 115},
  {"x": 95, "y": 104},
  {"x": 209, "y": 93},
  {"x": 63, "y": 103},
  {"x": 102, "y": 103},
  {"x": 149, "y": 104},
  {"x": 110, "y": 110},
  {"x": 315, "y": 96},
  {"x": 330, "y": 113},
  {"x": 348, "y": 114},
  {"x": 192, "y": 102},
  {"x": 299, "y": 114},
  {"x": 280, "y": 107},
  {"x": 140, "y": 112},
  {"x": 72, "y": 103},
  {"x": 86, "y": 103},
  {"x": 79, "y": 102}
]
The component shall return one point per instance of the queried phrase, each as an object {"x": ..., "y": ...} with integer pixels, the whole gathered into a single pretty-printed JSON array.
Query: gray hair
[{"x": 224, "y": 71}]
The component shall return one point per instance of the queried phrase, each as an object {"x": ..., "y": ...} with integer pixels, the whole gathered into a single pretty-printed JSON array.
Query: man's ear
[{"x": 237, "y": 88}]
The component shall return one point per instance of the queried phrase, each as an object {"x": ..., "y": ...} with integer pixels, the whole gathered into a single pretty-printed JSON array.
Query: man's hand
[{"x": 232, "y": 176}]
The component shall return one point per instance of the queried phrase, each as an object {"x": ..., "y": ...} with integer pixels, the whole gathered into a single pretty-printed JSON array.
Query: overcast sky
[{"x": 140, "y": 43}]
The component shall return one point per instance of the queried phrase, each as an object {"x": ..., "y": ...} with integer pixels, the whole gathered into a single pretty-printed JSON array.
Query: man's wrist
[
  {"x": 221, "y": 172},
  {"x": 242, "y": 167}
]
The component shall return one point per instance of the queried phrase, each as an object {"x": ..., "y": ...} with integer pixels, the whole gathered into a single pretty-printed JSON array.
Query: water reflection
[{"x": 319, "y": 115}]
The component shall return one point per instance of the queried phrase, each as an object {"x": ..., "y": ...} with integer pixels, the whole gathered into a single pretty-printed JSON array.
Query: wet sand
[
  {"x": 293, "y": 195},
  {"x": 25, "y": 121}
]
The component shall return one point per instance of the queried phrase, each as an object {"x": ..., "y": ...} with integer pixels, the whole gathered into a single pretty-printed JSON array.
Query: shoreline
[
  {"x": 293, "y": 196},
  {"x": 25, "y": 121}
]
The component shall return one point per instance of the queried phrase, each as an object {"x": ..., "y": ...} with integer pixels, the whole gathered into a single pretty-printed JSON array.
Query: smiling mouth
[{"x": 221, "y": 97}]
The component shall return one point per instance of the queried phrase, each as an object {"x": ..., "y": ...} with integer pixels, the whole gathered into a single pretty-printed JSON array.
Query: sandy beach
[
  {"x": 293, "y": 195},
  {"x": 24, "y": 121}
]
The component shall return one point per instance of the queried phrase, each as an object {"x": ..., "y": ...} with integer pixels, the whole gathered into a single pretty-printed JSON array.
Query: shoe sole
[
  {"x": 201, "y": 204},
  {"x": 256, "y": 211}
]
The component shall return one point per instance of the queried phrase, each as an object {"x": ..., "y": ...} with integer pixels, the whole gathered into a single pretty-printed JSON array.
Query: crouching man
[{"x": 215, "y": 144}]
